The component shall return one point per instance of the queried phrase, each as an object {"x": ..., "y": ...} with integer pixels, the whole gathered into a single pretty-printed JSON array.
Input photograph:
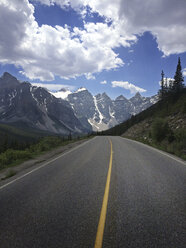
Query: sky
[{"x": 117, "y": 47}]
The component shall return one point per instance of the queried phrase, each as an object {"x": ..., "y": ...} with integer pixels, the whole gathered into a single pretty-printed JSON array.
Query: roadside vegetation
[
  {"x": 173, "y": 141},
  {"x": 12, "y": 156},
  {"x": 163, "y": 125}
]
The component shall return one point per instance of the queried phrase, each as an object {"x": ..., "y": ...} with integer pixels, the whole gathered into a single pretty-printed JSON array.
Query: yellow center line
[{"x": 101, "y": 225}]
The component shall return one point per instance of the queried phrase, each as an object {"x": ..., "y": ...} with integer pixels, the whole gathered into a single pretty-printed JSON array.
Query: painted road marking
[
  {"x": 43, "y": 165},
  {"x": 101, "y": 225},
  {"x": 157, "y": 150}
]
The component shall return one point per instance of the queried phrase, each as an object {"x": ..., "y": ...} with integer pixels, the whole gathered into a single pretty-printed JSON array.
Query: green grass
[
  {"x": 11, "y": 157},
  {"x": 160, "y": 134},
  {"x": 18, "y": 137},
  {"x": 174, "y": 142}
]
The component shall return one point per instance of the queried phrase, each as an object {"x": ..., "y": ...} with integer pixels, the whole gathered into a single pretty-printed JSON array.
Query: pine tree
[
  {"x": 178, "y": 78},
  {"x": 70, "y": 136},
  {"x": 162, "y": 90},
  {"x": 166, "y": 85}
]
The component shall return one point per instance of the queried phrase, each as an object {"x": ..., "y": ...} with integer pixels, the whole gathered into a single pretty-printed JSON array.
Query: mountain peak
[
  {"x": 120, "y": 98},
  {"x": 80, "y": 89},
  {"x": 8, "y": 80},
  {"x": 63, "y": 90},
  {"x": 62, "y": 93},
  {"x": 137, "y": 94},
  {"x": 7, "y": 75},
  {"x": 104, "y": 94}
]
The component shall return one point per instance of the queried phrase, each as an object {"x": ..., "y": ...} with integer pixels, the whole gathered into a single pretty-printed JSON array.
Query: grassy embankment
[
  {"x": 163, "y": 126},
  {"x": 18, "y": 146}
]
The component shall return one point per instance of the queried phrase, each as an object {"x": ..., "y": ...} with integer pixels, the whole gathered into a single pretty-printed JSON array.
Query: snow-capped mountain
[
  {"x": 140, "y": 103},
  {"x": 63, "y": 93},
  {"x": 82, "y": 103},
  {"x": 35, "y": 107},
  {"x": 100, "y": 112},
  {"x": 64, "y": 111}
]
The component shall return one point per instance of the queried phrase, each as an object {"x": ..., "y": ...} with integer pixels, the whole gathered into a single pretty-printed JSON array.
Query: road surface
[{"x": 60, "y": 203}]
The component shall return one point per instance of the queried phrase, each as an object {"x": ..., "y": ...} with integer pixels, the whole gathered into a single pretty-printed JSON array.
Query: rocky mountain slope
[
  {"x": 100, "y": 112},
  {"x": 163, "y": 125},
  {"x": 64, "y": 112},
  {"x": 35, "y": 107}
]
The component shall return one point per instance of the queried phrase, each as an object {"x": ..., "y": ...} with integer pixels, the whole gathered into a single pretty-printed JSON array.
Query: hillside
[
  {"x": 100, "y": 112},
  {"x": 64, "y": 112},
  {"x": 19, "y": 137},
  {"x": 36, "y": 108},
  {"x": 163, "y": 125}
]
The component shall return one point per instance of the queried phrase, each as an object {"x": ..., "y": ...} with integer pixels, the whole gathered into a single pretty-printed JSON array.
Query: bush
[
  {"x": 160, "y": 129},
  {"x": 12, "y": 156},
  {"x": 180, "y": 137}
]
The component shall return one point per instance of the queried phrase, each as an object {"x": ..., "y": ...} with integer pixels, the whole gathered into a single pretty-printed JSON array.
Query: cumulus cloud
[
  {"x": 54, "y": 87},
  {"x": 128, "y": 86},
  {"x": 103, "y": 82},
  {"x": 107, "y": 8},
  {"x": 165, "y": 19},
  {"x": 45, "y": 51},
  {"x": 184, "y": 72},
  {"x": 89, "y": 76}
]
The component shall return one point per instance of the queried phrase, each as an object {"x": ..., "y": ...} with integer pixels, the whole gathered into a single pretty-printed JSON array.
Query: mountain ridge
[
  {"x": 20, "y": 101},
  {"x": 101, "y": 111},
  {"x": 163, "y": 125},
  {"x": 65, "y": 111}
]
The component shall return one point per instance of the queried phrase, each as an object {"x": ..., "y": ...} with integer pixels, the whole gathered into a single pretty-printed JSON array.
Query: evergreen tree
[
  {"x": 171, "y": 84},
  {"x": 178, "y": 78},
  {"x": 5, "y": 143},
  {"x": 162, "y": 90},
  {"x": 70, "y": 136},
  {"x": 166, "y": 85}
]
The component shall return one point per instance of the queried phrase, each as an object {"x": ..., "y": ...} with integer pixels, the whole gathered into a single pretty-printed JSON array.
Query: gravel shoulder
[{"x": 37, "y": 161}]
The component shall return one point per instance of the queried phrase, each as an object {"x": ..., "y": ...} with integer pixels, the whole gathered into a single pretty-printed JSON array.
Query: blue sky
[{"x": 117, "y": 48}]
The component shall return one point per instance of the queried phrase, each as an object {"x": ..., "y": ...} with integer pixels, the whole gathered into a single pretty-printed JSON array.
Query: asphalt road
[{"x": 59, "y": 204}]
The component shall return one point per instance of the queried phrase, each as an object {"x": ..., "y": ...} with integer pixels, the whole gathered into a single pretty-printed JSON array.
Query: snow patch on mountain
[
  {"x": 99, "y": 113},
  {"x": 36, "y": 107},
  {"x": 63, "y": 93},
  {"x": 98, "y": 126},
  {"x": 80, "y": 89}
]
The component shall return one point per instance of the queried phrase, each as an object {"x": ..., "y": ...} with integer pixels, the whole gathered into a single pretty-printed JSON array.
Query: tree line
[
  {"x": 171, "y": 91},
  {"x": 172, "y": 86}
]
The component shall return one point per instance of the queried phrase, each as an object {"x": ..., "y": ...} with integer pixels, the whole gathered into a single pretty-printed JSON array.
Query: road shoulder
[{"x": 37, "y": 161}]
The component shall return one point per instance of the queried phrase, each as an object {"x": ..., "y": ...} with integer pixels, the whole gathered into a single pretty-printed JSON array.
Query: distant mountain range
[
  {"x": 100, "y": 112},
  {"x": 24, "y": 104},
  {"x": 64, "y": 112}
]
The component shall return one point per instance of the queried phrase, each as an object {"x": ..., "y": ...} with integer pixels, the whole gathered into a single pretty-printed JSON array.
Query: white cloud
[
  {"x": 184, "y": 72},
  {"x": 107, "y": 8},
  {"x": 128, "y": 86},
  {"x": 89, "y": 76},
  {"x": 54, "y": 87},
  {"x": 45, "y": 51},
  {"x": 165, "y": 19},
  {"x": 103, "y": 82}
]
